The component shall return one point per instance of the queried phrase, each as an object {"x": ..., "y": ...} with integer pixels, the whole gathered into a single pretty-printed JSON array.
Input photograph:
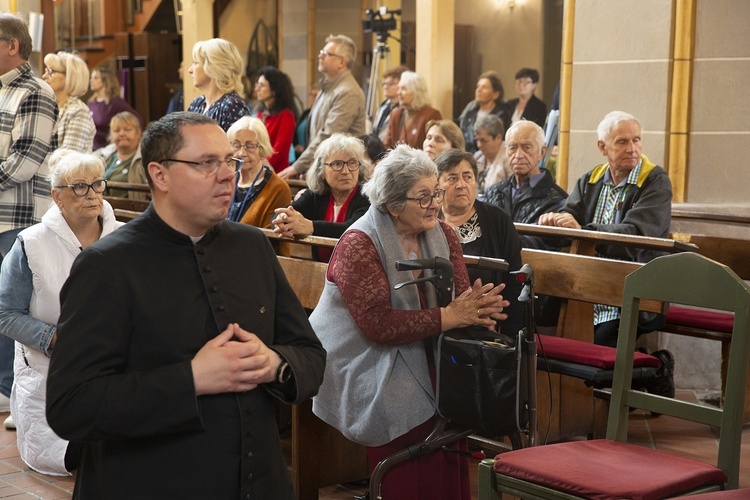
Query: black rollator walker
[{"x": 499, "y": 370}]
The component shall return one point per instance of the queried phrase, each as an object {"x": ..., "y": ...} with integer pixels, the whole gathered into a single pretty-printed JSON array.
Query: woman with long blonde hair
[{"x": 217, "y": 72}]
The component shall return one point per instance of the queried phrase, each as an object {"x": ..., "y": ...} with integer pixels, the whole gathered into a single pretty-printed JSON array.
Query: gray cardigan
[{"x": 371, "y": 392}]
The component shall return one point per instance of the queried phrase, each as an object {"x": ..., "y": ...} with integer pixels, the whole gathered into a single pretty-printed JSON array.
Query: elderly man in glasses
[
  {"x": 170, "y": 354},
  {"x": 340, "y": 106}
]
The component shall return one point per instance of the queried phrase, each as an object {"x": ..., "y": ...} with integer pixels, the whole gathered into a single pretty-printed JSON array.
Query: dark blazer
[
  {"x": 138, "y": 306},
  {"x": 535, "y": 111}
]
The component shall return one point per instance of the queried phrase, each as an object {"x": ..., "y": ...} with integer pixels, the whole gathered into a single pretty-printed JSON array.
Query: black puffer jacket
[{"x": 545, "y": 197}]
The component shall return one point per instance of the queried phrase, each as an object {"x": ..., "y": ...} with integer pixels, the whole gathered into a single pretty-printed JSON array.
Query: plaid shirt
[
  {"x": 609, "y": 211},
  {"x": 28, "y": 117},
  {"x": 75, "y": 128}
]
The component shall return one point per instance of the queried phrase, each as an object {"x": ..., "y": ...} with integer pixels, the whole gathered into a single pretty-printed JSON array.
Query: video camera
[{"x": 377, "y": 23}]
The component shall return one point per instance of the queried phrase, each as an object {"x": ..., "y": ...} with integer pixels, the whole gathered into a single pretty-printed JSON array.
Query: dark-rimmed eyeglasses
[
  {"x": 426, "y": 200},
  {"x": 248, "y": 146},
  {"x": 338, "y": 165},
  {"x": 212, "y": 166},
  {"x": 82, "y": 189}
]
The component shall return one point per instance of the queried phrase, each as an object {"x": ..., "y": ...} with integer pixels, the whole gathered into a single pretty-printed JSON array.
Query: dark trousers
[{"x": 606, "y": 333}]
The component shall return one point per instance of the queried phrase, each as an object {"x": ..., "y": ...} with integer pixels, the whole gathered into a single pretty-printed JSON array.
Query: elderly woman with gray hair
[
  {"x": 334, "y": 199},
  {"x": 32, "y": 276},
  {"x": 407, "y": 123},
  {"x": 379, "y": 386}
]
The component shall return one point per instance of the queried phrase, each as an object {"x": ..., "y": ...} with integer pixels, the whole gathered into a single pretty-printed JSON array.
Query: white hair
[{"x": 610, "y": 121}]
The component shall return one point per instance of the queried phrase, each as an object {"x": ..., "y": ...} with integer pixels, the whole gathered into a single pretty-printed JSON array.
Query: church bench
[
  {"x": 565, "y": 405},
  {"x": 127, "y": 204},
  {"x": 321, "y": 455}
]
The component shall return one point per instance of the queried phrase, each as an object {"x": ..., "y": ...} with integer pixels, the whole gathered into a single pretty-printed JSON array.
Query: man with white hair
[
  {"x": 340, "y": 106},
  {"x": 531, "y": 191},
  {"x": 626, "y": 195}
]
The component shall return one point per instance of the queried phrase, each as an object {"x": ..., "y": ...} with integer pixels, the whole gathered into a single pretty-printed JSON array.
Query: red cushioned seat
[
  {"x": 705, "y": 319},
  {"x": 585, "y": 353},
  {"x": 604, "y": 469}
]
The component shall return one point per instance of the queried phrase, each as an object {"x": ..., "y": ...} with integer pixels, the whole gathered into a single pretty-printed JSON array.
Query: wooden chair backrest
[{"x": 693, "y": 280}]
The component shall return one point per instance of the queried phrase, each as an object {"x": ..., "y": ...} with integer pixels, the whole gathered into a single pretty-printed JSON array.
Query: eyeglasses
[
  {"x": 426, "y": 200},
  {"x": 51, "y": 72},
  {"x": 524, "y": 81},
  {"x": 325, "y": 53},
  {"x": 389, "y": 84},
  {"x": 82, "y": 189},
  {"x": 338, "y": 165},
  {"x": 212, "y": 166},
  {"x": 248, "y": 146}
]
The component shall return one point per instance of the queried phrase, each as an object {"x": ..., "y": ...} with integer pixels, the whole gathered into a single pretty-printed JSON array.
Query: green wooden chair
[{"x": 612, "y": 468}]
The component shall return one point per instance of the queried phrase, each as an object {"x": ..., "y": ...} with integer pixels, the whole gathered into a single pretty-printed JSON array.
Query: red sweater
[{"x": 280, "y": 128}]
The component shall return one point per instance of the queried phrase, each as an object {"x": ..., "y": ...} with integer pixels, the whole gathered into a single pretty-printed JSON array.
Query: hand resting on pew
[
  {"x": 559, "y": 219},
  {"x": 289, "y": 223}
]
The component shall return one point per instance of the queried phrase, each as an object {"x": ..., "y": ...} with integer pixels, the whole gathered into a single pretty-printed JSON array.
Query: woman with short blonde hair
[
  {"x": 217, "y": 72},
  {"x": 33, "y": 274},
  {"x": 68, "y": 76}
]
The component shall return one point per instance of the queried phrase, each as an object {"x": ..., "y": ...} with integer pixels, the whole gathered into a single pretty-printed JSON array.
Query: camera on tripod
[{"x": 377, "y": 23}]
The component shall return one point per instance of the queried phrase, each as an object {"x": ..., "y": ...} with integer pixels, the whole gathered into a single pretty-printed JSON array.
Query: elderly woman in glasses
[
  {"x": 334, "y": 200},
  {"x": 379, "y": 385},
  {"x": 258, "y": 191},
  {"x": 32, "y": 275}
]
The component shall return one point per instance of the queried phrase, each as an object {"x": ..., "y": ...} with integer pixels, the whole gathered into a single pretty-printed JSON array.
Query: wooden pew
[
  {"x": 125, "y": 215},
  {"x": 584, "y": 242},
  {"x": 127, "y": 204},
  {"x": 129, "y": 186},
  {"x": 296, "y": 185},
  {"x": 566, "y": 405},
  {"x": 581, "y": 281},
  {"x": 321, "y": 455}
]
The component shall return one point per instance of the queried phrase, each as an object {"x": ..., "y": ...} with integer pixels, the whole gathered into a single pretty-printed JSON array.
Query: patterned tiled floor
[{"x": 696, "y": 441}]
